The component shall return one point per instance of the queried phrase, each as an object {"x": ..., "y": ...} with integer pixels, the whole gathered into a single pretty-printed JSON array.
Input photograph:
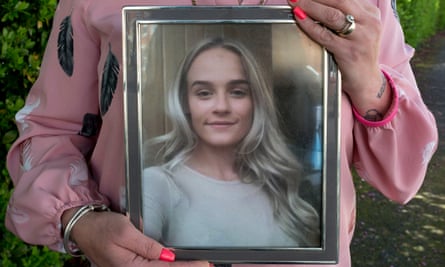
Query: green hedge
[
  {"x": 421, "y": 18},
  {"x": 25, "y": 27}
]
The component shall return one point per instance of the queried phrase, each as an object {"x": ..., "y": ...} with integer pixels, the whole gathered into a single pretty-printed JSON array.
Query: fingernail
[
  {"x": 293, "y": 1},
  {"x": 211, "y": 265},
  {"x": 167, "y": 255},
  {"x": 299, "y": 13}
]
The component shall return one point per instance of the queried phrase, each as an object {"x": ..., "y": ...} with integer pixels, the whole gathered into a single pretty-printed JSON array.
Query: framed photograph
[{"x": 232, "y": 120}]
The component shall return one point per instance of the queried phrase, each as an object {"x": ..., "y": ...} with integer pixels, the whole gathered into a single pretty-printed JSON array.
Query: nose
[{"x": 222, "y": 104}]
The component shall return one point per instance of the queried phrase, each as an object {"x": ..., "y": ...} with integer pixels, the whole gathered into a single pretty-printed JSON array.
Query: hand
[
  {"x": 356, "y": 54},
  {"x": 110, "y": 239}
]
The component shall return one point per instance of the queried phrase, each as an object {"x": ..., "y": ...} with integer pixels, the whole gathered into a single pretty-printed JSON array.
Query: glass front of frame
[{"x": 232, "y": 134}]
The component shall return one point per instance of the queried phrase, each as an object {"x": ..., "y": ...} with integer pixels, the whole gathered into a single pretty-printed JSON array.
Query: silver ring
[{"x": 348, "y": 27}]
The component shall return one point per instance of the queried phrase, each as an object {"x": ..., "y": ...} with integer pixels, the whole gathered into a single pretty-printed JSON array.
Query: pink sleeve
[
  {"x": 47, "y": 163},
  {"x": 393, "y": 157}
]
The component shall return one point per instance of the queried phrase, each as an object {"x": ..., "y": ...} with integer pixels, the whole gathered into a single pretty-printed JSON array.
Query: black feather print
[
  {"x": 110, "y": 77},
  {"x": 65, "y": 46}
]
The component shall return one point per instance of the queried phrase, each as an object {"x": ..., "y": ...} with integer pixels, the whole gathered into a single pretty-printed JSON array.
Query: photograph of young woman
[{"x": 226, "y": 176}]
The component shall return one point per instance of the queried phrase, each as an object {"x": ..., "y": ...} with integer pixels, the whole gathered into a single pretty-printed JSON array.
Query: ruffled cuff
[{"x": 391, "y": 112}]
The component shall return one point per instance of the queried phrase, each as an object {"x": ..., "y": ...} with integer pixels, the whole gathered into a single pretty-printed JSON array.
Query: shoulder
[
  {"x": 155, "y": 175},
  {"x": 157, "y": 182}
]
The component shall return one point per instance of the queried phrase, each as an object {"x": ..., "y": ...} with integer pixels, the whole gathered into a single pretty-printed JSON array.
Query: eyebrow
[
  {"x": 231, "y": 82},
  {"x": 239, "y": 81}
]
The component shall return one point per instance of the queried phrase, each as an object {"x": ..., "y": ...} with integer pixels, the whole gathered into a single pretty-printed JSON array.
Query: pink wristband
[{"x": 391, "y": 112}]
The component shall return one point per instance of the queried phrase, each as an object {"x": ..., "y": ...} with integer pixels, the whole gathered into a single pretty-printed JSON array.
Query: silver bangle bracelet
[{"x": 76, "y": 217}]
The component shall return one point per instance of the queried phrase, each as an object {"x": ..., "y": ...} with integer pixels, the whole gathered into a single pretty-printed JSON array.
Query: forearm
[
  {"x": 48, "y": 163},
  {"x": 375, "y": 101},
  {"x": 44, "y": 192},
  {"x": 394, "y": 156}
]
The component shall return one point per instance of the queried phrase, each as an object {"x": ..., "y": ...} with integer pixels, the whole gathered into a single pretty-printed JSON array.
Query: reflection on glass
[{"x": 316, "y": 158}]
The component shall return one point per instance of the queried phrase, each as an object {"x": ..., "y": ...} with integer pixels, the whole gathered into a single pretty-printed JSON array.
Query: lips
[{"x": 220, "y": 124}]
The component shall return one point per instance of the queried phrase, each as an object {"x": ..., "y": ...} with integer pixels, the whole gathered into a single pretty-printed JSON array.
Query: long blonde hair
[{"x": 263, "y": 157}]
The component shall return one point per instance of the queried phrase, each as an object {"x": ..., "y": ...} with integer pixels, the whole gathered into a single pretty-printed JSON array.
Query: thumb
[{"x": 147, "y": 247}]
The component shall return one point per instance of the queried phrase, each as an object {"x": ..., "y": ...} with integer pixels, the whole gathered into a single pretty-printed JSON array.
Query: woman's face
[{"x": 219, "y": 97}]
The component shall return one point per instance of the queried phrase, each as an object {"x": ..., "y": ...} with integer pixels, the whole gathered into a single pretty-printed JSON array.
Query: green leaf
[
  {"x": 9, "y": 137},
  {"x": 21, "y": 6}
]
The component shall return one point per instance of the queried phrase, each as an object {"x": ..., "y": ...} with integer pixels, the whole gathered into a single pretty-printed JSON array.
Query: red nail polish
[
  {"x": 299, "y": 13},
  {"x": 167, "y": 255},
  {"x": 293, "y": 1}
]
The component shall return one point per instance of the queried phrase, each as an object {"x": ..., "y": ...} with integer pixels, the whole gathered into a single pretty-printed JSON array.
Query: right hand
[{"x": 110, "y": 239}]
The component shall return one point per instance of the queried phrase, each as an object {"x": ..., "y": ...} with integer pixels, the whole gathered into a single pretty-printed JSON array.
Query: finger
[
  {"x": 331, "y": 17},
  {"x": 145, "y": 246},
  {"x": 148, "y": 248},
  {"x": 319, "y": 33},
  {"x": 347, "y": 6},
  {"x": 357, "y": 8}
]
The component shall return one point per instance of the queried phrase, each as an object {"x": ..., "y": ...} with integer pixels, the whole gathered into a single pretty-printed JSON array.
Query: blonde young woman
[{"x": 228, "y": 178}]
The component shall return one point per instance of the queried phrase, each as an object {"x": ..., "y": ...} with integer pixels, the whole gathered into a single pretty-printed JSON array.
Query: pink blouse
[{"x": 54, "y": 168}]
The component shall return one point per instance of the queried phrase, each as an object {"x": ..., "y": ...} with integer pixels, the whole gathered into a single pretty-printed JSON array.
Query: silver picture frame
[{"x": 305, "y": 84}]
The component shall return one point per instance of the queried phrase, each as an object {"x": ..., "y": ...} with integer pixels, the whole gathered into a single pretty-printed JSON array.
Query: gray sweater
[{"x": 189, "y": 210}]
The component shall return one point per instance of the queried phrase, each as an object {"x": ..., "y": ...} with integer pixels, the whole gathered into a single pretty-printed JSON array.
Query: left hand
[{"x": 357, "y": 54}]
